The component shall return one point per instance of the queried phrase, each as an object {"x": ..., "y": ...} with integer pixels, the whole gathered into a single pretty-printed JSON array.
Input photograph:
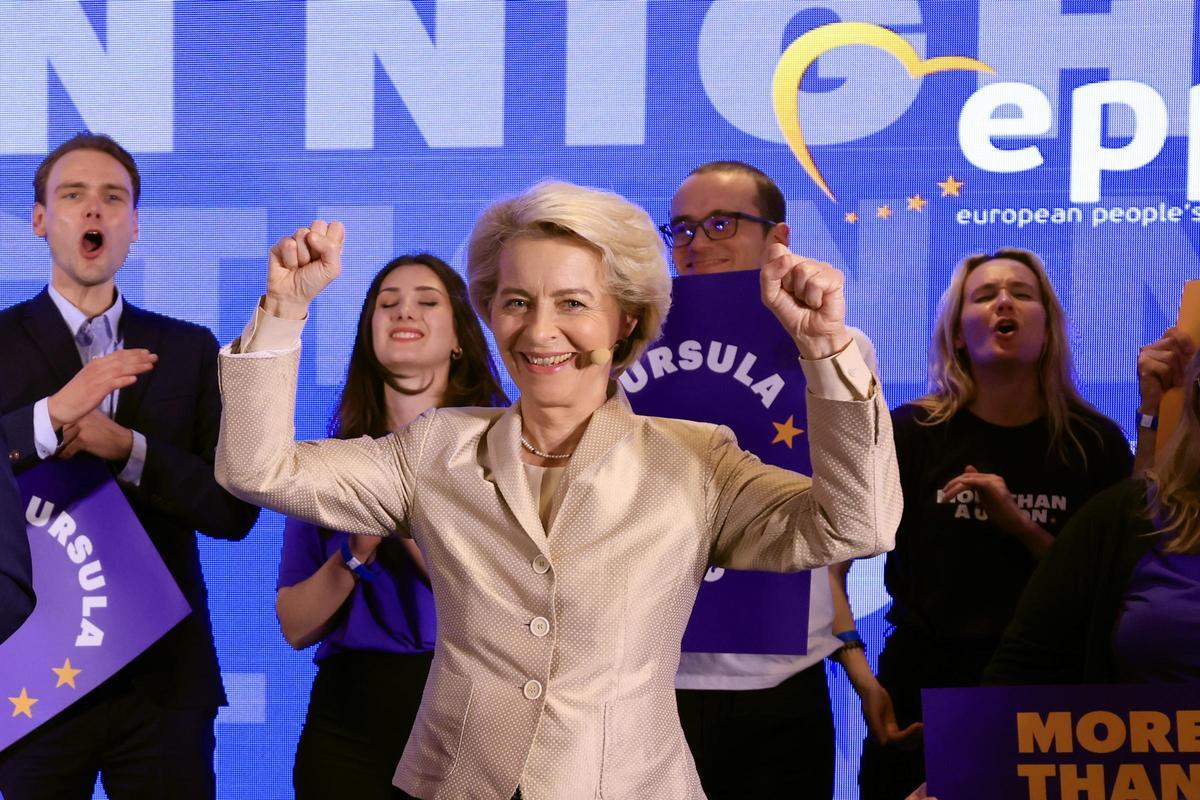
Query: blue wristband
[
  {"x": 359, "y": 568},
  {"x": 850, "y": 637},
  {"x": 1147, "y": 421}
]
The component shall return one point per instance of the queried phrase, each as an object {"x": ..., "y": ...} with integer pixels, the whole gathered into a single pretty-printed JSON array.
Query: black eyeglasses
[{"x": 716, "y": 226}]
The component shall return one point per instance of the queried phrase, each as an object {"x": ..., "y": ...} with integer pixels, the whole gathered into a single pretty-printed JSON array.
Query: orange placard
[{"x": 1171, "y": 407}]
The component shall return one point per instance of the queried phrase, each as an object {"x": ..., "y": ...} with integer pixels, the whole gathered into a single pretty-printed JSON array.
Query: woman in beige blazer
[{"x": 566, "y": 537}]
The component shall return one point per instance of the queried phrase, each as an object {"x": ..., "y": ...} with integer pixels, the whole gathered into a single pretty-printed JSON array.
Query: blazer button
[
  {"x": 533, "y": 690},
  {"x": 15, "y": 455},
  {"x": 539, "y": 626},
  {"x": 541, "y": 564}
]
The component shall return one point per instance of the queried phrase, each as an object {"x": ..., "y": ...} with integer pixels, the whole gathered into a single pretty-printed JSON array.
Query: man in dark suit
[
  {"x": 16, "y": 573},
  {"x": 88, "y": 373}
]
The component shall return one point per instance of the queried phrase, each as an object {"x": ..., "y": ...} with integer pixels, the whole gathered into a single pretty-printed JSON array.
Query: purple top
[
  {"x": 1157, "y": 636},
  {"x": 393, "y": 613}
]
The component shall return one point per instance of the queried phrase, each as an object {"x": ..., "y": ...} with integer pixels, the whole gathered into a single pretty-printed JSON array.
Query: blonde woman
[
  {"x": 566, "y": 537},
  {"x": 993, "y": 461}
]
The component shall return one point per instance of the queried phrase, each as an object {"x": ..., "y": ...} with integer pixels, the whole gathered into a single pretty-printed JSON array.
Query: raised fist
[
  {"x": 301, "y": 265},
  {"x": 806, "y": 297}
]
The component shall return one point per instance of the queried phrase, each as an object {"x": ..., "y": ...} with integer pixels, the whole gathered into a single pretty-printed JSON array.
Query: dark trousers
[
  {"x": 763, "y": 743},
  {"x": 362, "y": 709},
  {"x": 140, "y": 750},
  {"x": 908, "y": 664}
]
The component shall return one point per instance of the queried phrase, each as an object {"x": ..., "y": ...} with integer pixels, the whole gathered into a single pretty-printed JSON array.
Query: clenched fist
[
  {"x": 1161, "y": 367},
  {"x": 806, "y": 297},
  {"x": 300, "y": 266}
]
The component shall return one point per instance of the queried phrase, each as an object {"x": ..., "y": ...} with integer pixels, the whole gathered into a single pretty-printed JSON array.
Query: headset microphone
[{"x": 599, "y": 357}]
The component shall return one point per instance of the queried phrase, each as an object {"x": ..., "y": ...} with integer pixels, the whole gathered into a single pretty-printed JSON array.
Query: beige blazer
[{"x": 557, "y": 650}]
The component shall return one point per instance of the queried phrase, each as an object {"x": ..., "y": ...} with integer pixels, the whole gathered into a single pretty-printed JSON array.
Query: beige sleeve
[
  {"x": 266, "y": 335},
  {"x": 768, "y": 518},
  {"x": 842, "y": 376},
  {"x": 357, "y": 485}
]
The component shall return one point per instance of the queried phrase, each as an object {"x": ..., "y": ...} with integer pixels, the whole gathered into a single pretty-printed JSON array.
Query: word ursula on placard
[
  {"x": 78, "y": 549},
  {"x": 691, "y": 355}
]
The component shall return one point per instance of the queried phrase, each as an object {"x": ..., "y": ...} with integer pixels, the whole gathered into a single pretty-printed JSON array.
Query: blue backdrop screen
[{"x": 404, "y": 119}]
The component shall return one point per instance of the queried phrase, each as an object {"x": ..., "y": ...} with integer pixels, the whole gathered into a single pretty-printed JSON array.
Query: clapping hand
[
  {"x": 993, "y": 495},
  {"x": 98, "y": 379},
  {"x": 806, "y": 297},
  {"x": 300, "y": 266},
  {"x": 95, "y": 433},
  {"x": 1161, "y": 366}
]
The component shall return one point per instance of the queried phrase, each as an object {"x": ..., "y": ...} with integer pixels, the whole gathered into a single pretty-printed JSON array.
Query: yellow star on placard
[
  {"x": 786, "y": 431},
  {"x": 23, "y": 704},
  {"x": 851, "y": 217},
  {"x": 883, "y": 212},
  {"x": 917, "y": 203},
  {"x": 950, "y": 187},
  {"x": 66, "y": 674}
]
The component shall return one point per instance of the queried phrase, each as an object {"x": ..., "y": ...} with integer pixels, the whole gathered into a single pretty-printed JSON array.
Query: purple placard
[
  {"x": 724, "y": 358},
  {"x": 103, "y": 593},
  {"x": 1027, "y": 742}
]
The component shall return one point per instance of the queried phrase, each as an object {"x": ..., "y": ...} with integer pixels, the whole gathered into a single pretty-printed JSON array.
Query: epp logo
[
  {"x": 801, "y": 54},
  {"x": 978, "y": 124}
]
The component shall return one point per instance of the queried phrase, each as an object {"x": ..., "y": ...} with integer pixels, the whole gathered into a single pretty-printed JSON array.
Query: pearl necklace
[{"x": 551, "y": 456}]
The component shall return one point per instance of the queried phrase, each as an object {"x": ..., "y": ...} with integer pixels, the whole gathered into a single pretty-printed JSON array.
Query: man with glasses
[
  {"x": 723, "y": 217},
  {"x": 761, "y": 726}
]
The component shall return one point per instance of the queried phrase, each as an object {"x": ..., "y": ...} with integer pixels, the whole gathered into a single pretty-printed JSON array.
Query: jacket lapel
[
  {"x": 609, "y": 425},
  {"x": 504, "y": 452},
  {"x": 137, "y": 330},
  {"x": 51, "y": 336}
]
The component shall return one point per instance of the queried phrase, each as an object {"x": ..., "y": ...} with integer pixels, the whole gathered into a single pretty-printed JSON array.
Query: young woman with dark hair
[{"x": 366, "y": 599}]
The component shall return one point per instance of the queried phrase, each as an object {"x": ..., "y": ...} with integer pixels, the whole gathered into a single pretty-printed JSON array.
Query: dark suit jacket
[
  {"x": 16, "y": 572},
  {"x": 177, "y": 407}
]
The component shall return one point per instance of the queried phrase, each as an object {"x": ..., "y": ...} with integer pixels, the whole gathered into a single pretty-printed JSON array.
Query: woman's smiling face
[
  {"x": 550, "y": 310},
  {"x": 413, "y": 324}
]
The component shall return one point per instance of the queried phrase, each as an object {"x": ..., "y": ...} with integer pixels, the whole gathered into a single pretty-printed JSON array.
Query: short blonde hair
[
  {"x": 623, "y": 236},
  {"x": 952, "y": 384}
]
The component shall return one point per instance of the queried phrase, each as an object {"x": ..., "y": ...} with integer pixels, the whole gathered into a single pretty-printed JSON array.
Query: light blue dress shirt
[{"x": 91, "y": 345}]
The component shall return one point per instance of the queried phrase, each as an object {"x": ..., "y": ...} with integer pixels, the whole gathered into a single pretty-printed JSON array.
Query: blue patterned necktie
[{"x": 95, "y": 339}]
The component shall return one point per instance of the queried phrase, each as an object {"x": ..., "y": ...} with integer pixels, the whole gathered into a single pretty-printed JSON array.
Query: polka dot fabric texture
[{"x": 557, "y": 649}]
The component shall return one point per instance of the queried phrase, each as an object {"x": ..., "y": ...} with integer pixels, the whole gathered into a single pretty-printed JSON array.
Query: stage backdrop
[{"x": 403, "y": 119}]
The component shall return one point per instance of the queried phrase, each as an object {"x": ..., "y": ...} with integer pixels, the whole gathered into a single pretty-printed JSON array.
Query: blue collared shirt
[{"x": 45, "y": 439}]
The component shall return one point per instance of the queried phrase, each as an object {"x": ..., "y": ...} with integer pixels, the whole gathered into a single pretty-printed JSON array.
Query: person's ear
[
  {"x": 780, "y": 233},
  {"x": 628, "y": 323}
]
